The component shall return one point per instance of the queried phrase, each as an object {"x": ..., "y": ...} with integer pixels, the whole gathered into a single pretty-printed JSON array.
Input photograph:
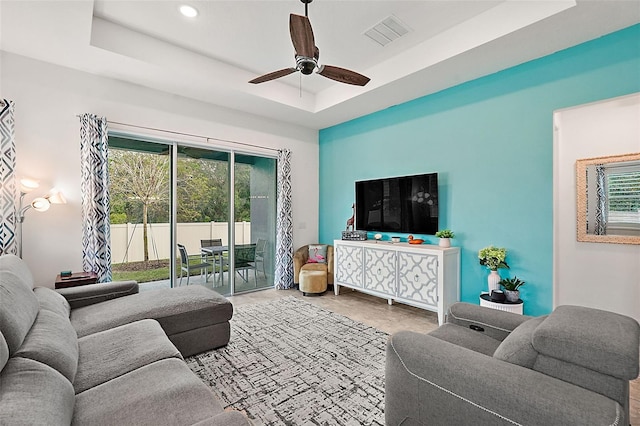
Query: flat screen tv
[{"x": 407, "y": 204}]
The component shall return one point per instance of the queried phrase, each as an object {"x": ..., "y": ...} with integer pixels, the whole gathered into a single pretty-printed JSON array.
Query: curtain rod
[{"x": 207, "y": 138}]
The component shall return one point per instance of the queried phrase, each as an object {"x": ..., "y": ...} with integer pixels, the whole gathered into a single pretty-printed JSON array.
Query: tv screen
[{"x": 407, "y": 204}]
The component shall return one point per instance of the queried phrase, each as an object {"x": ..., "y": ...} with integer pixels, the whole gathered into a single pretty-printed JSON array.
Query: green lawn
[
  {"x": 143, "y": 276},
  {"x": 138, "y": 271}
]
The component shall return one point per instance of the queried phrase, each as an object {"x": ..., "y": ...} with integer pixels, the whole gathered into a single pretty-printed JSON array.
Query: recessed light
[{"x": 188, "y": 11}]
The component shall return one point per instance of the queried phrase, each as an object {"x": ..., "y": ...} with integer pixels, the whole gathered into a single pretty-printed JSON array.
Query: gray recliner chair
[{"x": 489, "y": 367}]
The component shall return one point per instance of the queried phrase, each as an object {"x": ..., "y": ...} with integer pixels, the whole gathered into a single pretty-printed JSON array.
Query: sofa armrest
[
  {"x": 430, "y": 381},
  {"x": 227, "y": 418},
  {"x": 494, "y": 323},
  {"x": 96, "y": 293},
  {"x": 299, "y": 260},
  {"x": 330, "y": 265}
]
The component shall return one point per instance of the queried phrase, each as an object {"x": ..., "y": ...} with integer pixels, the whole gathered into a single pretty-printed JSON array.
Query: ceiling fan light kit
[{"x": 307, "y": 55}]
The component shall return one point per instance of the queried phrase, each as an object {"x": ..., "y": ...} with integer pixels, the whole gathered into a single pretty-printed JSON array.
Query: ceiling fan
[{"x": 307, "y": 55}]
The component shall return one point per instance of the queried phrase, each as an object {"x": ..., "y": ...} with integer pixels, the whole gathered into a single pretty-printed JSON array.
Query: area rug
[{"x": 290, "y": 362}]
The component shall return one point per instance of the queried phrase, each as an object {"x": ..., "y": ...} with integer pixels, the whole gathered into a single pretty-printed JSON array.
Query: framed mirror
[{"x": 608, "y": 199}]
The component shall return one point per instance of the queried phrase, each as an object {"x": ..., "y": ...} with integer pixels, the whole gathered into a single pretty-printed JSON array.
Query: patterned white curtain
[
  {"x": 284, "y": 223},
  {"x": 8, "y": 192},
  {"x": 96, "y": 232},
  {"x": 601, "y": 202}
]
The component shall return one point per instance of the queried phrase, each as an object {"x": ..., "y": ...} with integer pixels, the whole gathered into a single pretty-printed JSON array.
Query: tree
[
  {"x": 142, "y": 177},
  {"x": 140, "y": 189}
]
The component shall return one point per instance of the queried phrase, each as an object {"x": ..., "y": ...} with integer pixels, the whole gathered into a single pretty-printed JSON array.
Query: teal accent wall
[{"x": 491, "y": 141}]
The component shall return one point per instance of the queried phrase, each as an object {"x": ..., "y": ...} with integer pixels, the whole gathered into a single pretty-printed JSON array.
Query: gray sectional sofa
[
  {"x": 104, "y": 354},
  {"x": 489, "y": 367}
]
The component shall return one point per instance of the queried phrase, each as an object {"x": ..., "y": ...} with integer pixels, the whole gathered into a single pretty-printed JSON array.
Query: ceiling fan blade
[
  {"x": 343, "y": 75},
  {"x": 273, "y": 75},
  {"x": 302, "y": 35}
]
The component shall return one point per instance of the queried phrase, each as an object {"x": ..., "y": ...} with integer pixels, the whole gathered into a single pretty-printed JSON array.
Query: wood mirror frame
[{"x": 582, "y": 196}]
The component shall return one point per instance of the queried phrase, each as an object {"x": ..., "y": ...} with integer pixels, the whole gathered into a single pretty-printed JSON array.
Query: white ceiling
[{"x": 212, "y": 57}]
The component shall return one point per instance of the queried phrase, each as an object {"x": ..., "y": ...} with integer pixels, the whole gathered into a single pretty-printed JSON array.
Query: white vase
[
  {"x": 493, "y": 279},
  {"x": 444, "y": 242}
]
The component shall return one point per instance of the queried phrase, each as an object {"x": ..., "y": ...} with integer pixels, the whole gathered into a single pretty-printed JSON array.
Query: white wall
[
  {"x": 604, "y": 276},
  {"x": 48, "y": 98}
]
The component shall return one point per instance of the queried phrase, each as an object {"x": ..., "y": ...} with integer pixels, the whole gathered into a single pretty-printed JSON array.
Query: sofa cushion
[
  {"x": 517, "y": 348},
  {"x": 112, "y": 353},
  {"x": 600, "y": 340},
  {"x": 34, "y": 394},
  {"x": 52, "y": 341},
  {"x": 162, "y": 393},
  {"x": 314, "y": 267},
  {"x": 467, "y": 338},
  {"x": 90, "y": 294},
  {"x": 12, "y": 263},
  {"x": 177, "y": 310},
  {"x": 496, "y": 324},
  {"x": 4, "y": 352},
  {"x": 53, "y": 301},
  {"x": 18, "y": 309}
]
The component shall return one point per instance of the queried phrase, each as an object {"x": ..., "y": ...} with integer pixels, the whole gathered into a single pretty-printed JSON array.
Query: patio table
[{"x": 217, "y": 252}]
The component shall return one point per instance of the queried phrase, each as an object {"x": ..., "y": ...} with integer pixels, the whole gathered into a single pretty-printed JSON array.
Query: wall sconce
[{"x": 39, "y": 204}]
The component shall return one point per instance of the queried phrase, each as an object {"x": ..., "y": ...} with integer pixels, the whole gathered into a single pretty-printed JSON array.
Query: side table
[
  {"x": 76, "y": 279},
  {"x": 513, "y": 307}
]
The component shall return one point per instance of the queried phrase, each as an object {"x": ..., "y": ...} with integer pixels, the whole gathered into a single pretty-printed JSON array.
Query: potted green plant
[
  {"x": 445, "y": 236},
  {"x": 493, "y": 258},
  {"x": 511, "y": 286}
]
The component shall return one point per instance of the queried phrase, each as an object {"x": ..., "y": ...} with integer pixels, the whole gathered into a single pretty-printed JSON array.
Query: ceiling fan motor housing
[{"x": 306, "y": 65}]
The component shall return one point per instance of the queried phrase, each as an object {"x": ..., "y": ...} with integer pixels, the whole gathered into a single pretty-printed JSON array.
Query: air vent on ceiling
[{"x": 386, "y": 31}]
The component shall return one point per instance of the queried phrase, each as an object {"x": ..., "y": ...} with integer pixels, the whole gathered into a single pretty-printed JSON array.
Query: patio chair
[
  {"x": 261, "y": 246},
  {"x": 213, "y": 259},
  {"x": 188, "y": 267},
  {"x": 245, "y": 260}
]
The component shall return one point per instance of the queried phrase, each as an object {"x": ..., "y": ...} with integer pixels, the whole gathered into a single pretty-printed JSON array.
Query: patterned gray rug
[{"x": 290, "y": 362}]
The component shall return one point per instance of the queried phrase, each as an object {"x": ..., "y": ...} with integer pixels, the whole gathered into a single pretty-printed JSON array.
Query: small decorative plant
[
  {"x": 511, "y": 284},
  {"x": 445, "y": 233},
  {"x": 493, "y": 258}
]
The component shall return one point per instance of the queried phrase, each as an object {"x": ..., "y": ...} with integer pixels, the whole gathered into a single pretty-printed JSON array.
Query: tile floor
[{"x": 377, "y": 313}]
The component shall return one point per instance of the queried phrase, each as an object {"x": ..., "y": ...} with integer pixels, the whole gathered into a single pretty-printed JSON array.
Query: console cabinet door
[
  {"x": 418, "y": 278},
  {"x": 380, "y": 270},
  {"x": 349, "y": 265}
]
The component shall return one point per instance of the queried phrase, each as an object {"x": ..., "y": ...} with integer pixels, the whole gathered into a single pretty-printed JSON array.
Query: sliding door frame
[{"x": 173, "y": 144}]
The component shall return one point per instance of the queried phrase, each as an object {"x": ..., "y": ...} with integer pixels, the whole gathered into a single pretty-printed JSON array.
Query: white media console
[{"x": 425, "y": 276}]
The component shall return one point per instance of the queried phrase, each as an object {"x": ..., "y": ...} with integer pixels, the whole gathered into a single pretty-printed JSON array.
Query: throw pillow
[{"x": 317, "y": 253}]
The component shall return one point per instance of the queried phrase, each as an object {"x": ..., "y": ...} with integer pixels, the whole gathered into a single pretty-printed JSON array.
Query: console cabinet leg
[
  {"x": 390, "y": 301},
  {"x": 336, "y": 289}
]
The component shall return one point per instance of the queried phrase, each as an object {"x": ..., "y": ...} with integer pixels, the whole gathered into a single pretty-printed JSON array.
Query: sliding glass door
[
  {"x": 140, "y": 200},
  {"x": 181, "y": 207},
  {"x": 202, "y": 217},
  {"x": 255, "y": 216}
]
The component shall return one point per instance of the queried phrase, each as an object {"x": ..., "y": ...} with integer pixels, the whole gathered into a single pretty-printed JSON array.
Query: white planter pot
[{"x": 445, "y": 242}]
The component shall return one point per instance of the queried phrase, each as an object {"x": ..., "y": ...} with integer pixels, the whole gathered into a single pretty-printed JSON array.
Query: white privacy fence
[{"x": 127, "y": 239}]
